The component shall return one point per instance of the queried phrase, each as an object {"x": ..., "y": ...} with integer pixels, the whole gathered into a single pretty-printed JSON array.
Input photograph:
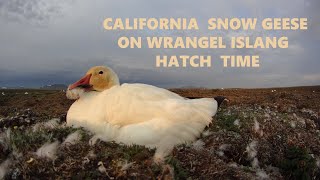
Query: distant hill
[
  {"x": 13, "y": 87},
  {"x": 191, "y": 87},
  {"x": 55, "y": 87}
]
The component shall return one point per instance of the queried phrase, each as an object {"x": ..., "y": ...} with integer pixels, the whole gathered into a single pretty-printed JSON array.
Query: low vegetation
[{"x": 278, "y": 138}]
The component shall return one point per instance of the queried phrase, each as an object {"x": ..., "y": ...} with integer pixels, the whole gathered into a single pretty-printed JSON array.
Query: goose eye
[{"x": 101, "y": 72}]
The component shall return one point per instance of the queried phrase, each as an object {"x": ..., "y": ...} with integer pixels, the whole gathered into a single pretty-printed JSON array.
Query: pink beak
[{"x": 83, "y": 82}]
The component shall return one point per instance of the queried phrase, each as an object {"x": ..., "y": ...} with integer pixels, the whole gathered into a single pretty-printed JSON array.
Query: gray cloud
[
  {"x": 45, "y": 42},
  {"x": 31, "y": 11}
]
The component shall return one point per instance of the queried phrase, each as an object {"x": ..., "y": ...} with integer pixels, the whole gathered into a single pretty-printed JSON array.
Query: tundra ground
[{"x": 259, "y": 134}]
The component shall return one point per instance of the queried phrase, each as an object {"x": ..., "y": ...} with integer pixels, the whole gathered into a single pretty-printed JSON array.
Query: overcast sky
[{"x": 46, "y": 42}]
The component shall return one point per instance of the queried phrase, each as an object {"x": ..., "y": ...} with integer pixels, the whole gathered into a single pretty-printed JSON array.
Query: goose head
[{"x": 98, "y": 78}]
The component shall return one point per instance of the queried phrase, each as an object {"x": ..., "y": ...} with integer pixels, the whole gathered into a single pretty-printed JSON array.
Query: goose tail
[{"x": 220, "y": 100}]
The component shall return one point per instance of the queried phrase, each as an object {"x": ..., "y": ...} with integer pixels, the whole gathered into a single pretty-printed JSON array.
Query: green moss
[
  {"x": 179, "y": 171},
  {"x": 130, "y": 152},
  {"x": 156, "y": 169},
  {"x": 298, "y": 164},
  {"x": 60, "y": 132},
  {"x": 28, "y": 140},
  {"x": 115, "y": 151},
  {"x": 85, "y": 135},
  {"x": 246, "y": 169},
  {"x": 226, "y": 121}
]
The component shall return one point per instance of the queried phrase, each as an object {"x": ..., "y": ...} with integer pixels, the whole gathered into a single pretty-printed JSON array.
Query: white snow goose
[{"x": 137, "y": 113}]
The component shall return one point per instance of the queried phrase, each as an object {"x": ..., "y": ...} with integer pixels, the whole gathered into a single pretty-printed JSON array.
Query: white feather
[
  {"x": 72, "y": 139},
  {"x": 5, "y": 138},
  {"x": 220, "y": 153},
  {"x": 255, "y": 163},
  {"x": 251, "y": 149},
  {"x": 101, "y": 167},
  {"x": 257, "y": 128},
  {"x": 48, "y": 150},
  {"x": 236, "y": 122},
  {"x": 207, "y": 133},
  {"x": 198, "y": 145},
  {"x": 74, "y": 93},
  {"x": 233, "y": 164},
  {"x": 125, "y": 165},
  {"x": 4, "y": 167},
  {"x": 256, "y": 125},
  {"x": 51, "y": 124},
  {"x": 224, "y": 147},
  {"x": 262, "y": 174}
]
